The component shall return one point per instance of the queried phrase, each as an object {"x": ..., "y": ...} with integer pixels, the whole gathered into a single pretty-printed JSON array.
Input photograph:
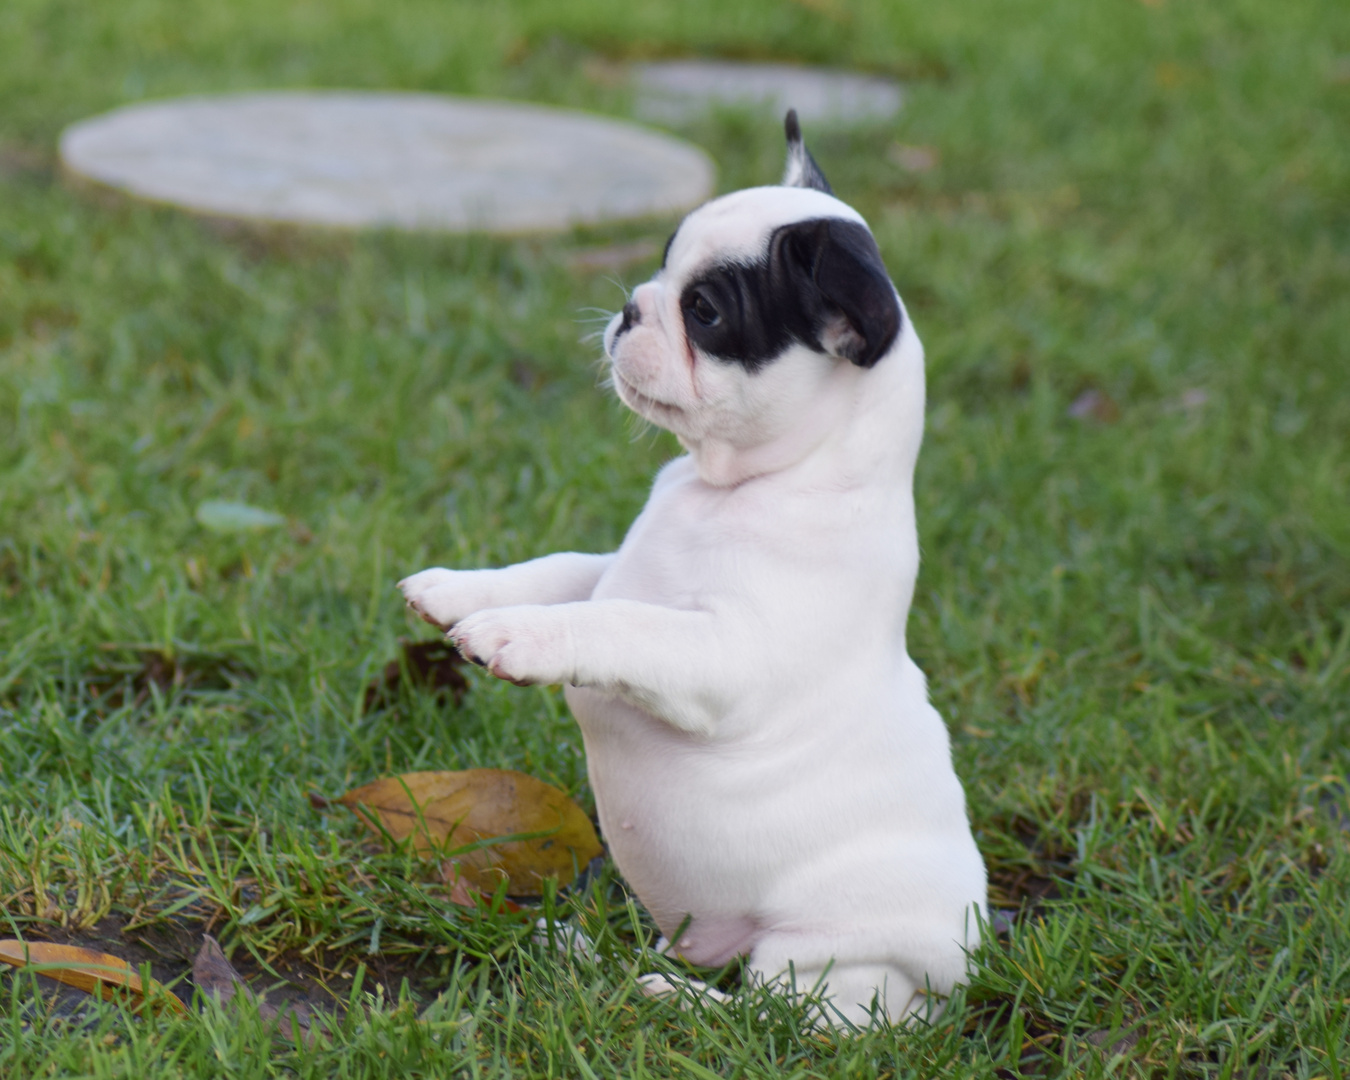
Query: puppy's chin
[{"x": 649, "y": 408}]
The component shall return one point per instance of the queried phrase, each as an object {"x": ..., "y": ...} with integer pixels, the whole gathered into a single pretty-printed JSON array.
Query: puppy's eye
[{"x": 702, "y": 309}]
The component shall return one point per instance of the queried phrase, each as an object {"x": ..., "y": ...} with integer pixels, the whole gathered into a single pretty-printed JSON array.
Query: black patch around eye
[
  {"x": 755, "y": 319},
  {"x": 814, "y": 275}
]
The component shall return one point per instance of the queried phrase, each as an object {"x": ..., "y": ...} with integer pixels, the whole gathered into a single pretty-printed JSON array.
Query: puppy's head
[{"x": 765, "y": 299}]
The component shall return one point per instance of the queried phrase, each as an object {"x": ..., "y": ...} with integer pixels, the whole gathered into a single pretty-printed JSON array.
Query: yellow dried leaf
[
  {"x": 443, "y": 811},
  {"x": 93, "y": 972}
]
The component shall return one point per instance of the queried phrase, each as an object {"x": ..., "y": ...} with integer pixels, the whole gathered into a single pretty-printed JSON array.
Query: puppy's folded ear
[{"x": 846, "y": 297}]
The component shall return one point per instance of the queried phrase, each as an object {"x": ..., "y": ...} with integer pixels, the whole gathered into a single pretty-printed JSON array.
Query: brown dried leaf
[
  {"x": 464, "y": 808},
  {"x": 119, "y": 682},
  {"x": 215, "y": 976},
  {"x": 914, "y": 159},
  {"x": 1094, "y": 405},
  {"x": 1102, "y": 1041},
  {"x": 430, "y": 665},
  {"x": 464, "y": 893},
  {"x": 93, "y": 972}
]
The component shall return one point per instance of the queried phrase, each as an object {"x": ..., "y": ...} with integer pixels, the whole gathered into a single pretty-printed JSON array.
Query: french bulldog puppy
[{"x": 771, "y": 778}]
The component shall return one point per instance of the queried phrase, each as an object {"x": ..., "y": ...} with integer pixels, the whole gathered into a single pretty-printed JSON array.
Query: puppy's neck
[
  {"x": 864, "y": 422},
  {"x": 722, "y": 463},
  {"x": 799, "y": 405}
]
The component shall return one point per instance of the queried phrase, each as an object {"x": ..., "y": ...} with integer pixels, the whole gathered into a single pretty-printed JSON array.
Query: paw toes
[
  {"x": 500, "y": 672},
  {"x": 662, "y": 986},
  {"x": 654, "y": 985},
  {"x": 462, "y": 647}
]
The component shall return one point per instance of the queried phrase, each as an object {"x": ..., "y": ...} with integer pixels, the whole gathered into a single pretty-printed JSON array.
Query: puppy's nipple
[{"x": 625, "y": 826}]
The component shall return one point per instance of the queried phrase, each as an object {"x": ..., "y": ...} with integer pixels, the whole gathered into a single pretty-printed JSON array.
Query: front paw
[
  {"x": 440, "y": 597},
  {"x": 524, "y": 645}
]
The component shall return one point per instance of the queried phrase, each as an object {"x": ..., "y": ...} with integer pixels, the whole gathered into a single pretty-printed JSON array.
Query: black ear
[
  {"x": 802, "y": 170},
  {"x": 848, "y": 305}
]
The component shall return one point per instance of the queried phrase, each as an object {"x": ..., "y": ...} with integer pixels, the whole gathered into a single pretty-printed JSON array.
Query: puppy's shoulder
[{"x": 674, "y": 473}]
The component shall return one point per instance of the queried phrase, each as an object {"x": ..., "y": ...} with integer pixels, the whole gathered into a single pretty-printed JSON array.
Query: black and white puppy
[{"x": 769, "y": 772}]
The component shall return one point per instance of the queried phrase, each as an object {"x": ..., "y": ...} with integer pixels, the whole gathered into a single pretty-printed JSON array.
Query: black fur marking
[
  {"x": 671, "y": 239},
  {"x": 801, "y": 170},
  {"x": 818, "y": 281},
  {"x": 631, "y": 317}
]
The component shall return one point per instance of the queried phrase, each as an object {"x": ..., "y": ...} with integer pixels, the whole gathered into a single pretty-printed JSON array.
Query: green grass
[{"x": 1137, "y": 627}]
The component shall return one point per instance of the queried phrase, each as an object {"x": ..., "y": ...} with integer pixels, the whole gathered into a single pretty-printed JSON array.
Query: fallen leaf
[
  {"x": 1170, "y": 75},
  {"x": 465, "y": 894},
  {"x": 231, "y": 517},
  {"x": 831, "y": 9},
  {"x": 429, "y": 665},
  {"x": 1094, "y": 405},
  {"x": 17, "y": 160},
  {"x": 1102, "y": 1041},
  {"x": 915, "y": 159},
  {"x": 524, "y": 829},
  {"x": 213, "y": 974},
  {"x": 462, "y": 894},
  {"x": 96, "y": 973},
  {"x": 119, "y": 682},
  {"x": 526, "y": 375},
  {"x": 604, "y": 72},
  {"x": 215, "y": 977}
]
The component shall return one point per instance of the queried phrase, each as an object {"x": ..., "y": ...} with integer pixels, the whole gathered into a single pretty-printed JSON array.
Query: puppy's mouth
[{"x": 639, "y": 402}]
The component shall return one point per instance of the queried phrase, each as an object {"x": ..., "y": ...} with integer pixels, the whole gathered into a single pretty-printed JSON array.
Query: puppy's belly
[{"x": 720, "y": 833}]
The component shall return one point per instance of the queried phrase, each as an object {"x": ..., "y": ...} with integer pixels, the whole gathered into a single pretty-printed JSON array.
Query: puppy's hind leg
[{"x": 863, "y": 994}]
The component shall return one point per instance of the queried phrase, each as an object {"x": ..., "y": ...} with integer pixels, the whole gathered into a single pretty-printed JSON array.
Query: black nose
[{"x": 631, "y": 317}]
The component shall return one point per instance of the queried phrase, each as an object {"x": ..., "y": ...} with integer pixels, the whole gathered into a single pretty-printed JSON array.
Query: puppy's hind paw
[
  {"x": 565, "y": 939},
  {"x": 686, "y": 990}
]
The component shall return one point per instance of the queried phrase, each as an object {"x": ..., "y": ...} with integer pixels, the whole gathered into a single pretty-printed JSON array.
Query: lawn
[{"x": 1129, "y": 262}]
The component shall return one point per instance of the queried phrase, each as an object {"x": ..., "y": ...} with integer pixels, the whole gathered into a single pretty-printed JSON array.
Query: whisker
[{"x": 640, "y": 426}]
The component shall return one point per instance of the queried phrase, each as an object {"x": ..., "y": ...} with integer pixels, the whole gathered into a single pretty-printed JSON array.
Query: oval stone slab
[
  {"x": 413, "y": 161},
  {"x": 676, "y": 90}
]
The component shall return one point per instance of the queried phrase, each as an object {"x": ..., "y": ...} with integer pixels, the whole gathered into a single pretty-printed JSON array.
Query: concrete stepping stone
[
  {"x": 678, "y": 90},
  {"x": 413, "y": 161}
]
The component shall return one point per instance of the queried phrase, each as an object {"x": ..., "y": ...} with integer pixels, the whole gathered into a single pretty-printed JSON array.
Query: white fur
[{"x": 764, "y": 757}]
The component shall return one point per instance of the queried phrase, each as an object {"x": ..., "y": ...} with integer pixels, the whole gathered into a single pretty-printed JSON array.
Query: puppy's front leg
[
  {"x": 444, "y": 597},
  {"x": 670, "y": 661}
]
